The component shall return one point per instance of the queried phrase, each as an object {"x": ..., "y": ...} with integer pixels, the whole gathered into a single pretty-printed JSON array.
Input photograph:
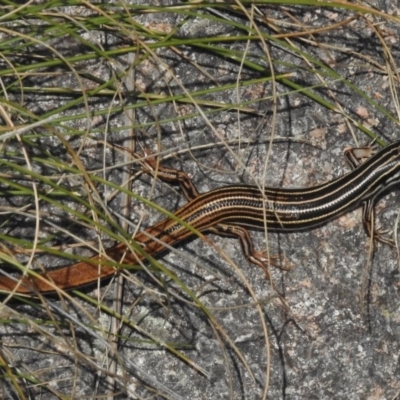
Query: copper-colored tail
[{"x": 66, "y": 278}]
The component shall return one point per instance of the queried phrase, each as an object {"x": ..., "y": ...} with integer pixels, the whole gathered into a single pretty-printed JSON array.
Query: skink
[{"x": 230, "y": 211}]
